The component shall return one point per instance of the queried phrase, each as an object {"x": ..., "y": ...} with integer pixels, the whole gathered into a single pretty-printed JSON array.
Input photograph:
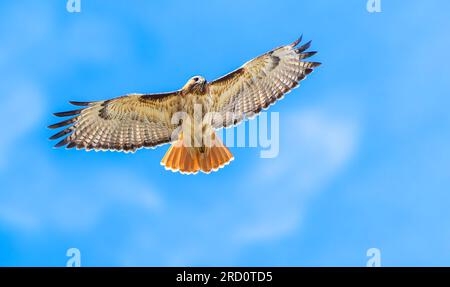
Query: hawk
[{"x": 135, "y": 121}]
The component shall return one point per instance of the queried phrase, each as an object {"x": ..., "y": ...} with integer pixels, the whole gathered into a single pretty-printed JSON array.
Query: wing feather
[
  {"x": 260, "y": 82},
  {"x": 125, "y": 123}
]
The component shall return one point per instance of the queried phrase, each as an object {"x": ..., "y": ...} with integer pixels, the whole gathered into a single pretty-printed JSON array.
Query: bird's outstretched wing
[
  {"x": 259, "y": 83},
  {"x": 125, "y": 123}
]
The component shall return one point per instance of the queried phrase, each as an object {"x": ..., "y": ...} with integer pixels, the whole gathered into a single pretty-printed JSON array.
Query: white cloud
[
  {"x": 21, "y": 110},
  {"x": 315, "y": 151},
  {"x": 60, "y": 203},
  {"x": 18, "y": 218},
  {"x": 132, "y": 190}
]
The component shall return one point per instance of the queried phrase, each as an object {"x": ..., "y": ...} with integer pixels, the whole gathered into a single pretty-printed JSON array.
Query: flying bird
[{"x": 135, "y": 121}]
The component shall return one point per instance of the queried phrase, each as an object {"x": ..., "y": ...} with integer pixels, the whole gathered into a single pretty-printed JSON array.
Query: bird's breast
[
  {"x": 196, "y": 125},
  {"x": 197, "y": 105}
]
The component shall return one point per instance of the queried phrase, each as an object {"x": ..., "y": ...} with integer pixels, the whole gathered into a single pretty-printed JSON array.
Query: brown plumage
[{"x": 134, "y": 121}]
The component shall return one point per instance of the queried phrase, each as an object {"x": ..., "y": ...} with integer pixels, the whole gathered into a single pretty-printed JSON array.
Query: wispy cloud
[
  {"x": 317, "y": 145},
  {"x": 21, "y": 110}
]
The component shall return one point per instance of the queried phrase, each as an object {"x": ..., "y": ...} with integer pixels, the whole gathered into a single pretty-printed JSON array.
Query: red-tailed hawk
[{"x": 133, "y": 121}]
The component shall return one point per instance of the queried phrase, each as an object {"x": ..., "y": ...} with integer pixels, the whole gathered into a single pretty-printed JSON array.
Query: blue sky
[{"x": 364, "y": 142}]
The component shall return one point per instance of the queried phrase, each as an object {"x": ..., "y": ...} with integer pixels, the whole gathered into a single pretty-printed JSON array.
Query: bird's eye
[{"x": 195, "y": 79}]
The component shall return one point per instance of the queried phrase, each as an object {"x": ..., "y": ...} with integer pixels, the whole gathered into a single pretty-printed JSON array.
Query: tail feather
[
  {"x": 170, "y": 156},
  {"x": 191, "y": 160}
]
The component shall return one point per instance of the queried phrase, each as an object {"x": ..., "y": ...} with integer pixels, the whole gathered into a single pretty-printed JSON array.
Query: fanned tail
[{"x": 190, "y": 160}]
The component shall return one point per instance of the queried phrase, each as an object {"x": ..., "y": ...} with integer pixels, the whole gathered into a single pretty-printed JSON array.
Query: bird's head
[{"x": 196, "y": 84}]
